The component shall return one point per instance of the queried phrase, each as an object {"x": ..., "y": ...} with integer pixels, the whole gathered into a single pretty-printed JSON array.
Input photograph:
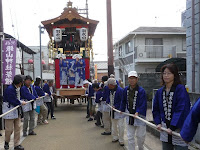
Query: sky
[{"x": 22, "y": 18}]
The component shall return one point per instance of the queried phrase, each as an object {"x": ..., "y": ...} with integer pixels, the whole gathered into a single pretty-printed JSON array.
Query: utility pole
[
  {"x": 109, "y": 39},
  {"x": 87, "y": 8},
  {"x": 1, "y": 46}
]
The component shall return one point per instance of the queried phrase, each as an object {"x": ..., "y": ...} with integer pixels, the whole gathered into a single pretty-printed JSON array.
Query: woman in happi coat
[{"x": 171, "y": 106}]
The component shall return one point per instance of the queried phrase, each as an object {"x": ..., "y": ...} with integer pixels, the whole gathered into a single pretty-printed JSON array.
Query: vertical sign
[
  {"x": 83, "y": 34},
  {"x": 57, "y": 33},
  {"x": 95, "y": 71},
  {"x": 9, "y": 61}
]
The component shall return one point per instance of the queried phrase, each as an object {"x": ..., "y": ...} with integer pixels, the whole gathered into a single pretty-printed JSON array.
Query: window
[
  {"x": 154, "y": 47},
  {"x": 120, "y": 51},
  {"x": 128, "y": 47}
]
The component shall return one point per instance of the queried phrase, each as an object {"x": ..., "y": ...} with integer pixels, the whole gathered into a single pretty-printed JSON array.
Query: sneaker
[
  {"x": 97, "y": 124},
  {"x": 121, "y": 143},
  {"x": 106, "y": 133},
  {"x": 102, "y": 126},
  {"x": 19, "y": 147},
  {"x": 88, "y": 116},
  {"x": 53, "y": 118},
  {"x": 25, "y": 134},
  {"x": 114, "y": 140},
  {"x": 90, "y": 119},
  {"x": 0, "y": 134},
  {"x": 32, "y": 133},
  {"x": 45, "y": 122},
  {"x": 6, "y": 146}
]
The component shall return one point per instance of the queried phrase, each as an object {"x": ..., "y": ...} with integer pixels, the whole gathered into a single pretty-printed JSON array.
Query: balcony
[{"x": 156, "y": 53}]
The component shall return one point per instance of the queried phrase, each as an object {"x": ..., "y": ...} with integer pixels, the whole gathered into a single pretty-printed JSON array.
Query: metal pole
[
  {"x": 109, "y": 39},
  {"x": 1, "y": 47},
  {"x": 87, "y": 8},
  {"x": 33, "y": 67},
  {"x": 40, "y": 55},
  {"x": 22, "y": 62}
]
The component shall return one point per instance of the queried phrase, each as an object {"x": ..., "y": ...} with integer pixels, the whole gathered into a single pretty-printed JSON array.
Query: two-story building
[{"x": 146, "y": 47}]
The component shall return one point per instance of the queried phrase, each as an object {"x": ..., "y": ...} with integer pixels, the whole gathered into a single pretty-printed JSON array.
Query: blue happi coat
[
  {"x": 46, "y": 89},
  {"x": 26, "y": 95},
  {"x": 91, "y": 91},
  {"x": 141, "y": 101},
  {"x": 180, "y": 107},
  {"x": 98, "y": 96},
  {"x": 105, "y": 93},
  {"x": 10, "y": 96},
  {"x": 39, "y": 91},
  {"x": 191, "y": 123},
  {"x": 117, "y": 99}
]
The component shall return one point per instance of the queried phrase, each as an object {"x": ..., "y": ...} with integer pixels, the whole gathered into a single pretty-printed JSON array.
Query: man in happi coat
[
  {"x": 114, "y": 99},
  {"x": 28, "y": 93},
  {"x": 134, "y": 102},
  {"x": 13, "y": 119}
]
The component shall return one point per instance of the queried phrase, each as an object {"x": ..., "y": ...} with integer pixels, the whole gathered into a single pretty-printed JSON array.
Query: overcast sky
[{"x": 22, "y": 17}]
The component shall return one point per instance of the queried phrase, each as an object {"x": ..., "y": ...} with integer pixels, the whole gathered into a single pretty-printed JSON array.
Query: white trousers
[
  {"x": 118, "y": 129},
  {"x": 139, "y": 132},
  {"x": 106, "y": 121}
]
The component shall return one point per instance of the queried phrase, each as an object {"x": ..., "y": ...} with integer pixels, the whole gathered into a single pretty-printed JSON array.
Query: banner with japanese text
[{"x": 9, "y": 60}]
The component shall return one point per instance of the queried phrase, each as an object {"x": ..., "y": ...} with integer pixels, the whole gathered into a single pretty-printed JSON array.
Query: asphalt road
[{"x": 70, "y": 131}]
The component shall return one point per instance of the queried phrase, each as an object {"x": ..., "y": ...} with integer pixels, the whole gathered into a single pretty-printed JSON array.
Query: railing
[{"x": 155, "y": 51}]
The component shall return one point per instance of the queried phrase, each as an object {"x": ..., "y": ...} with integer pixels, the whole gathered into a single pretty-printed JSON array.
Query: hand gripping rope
[
  {"x": 19, "y": 106},
  {"x": 152, "y": 125}
]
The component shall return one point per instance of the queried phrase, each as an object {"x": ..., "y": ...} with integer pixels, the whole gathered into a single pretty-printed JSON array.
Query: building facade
[
  {"x": 33, "y": 69},
  {"x": 102, "y": 69},
  {"x": 193, "y": 44},
  {"x": 146, "y": 47}
]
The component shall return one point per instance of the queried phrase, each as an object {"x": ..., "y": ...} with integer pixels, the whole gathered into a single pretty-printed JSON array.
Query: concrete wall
[
  {"x": 150, "y": 81},
  {"x": 193, "y": 44},
  {"x": 143, "y": 68}
]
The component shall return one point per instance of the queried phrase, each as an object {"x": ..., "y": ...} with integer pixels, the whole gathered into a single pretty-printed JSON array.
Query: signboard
[
  {"x": 83, "y": 34},
  {"x": 57, "y": 34},
  {"x": 72, "y": 71},
  {"x": 9, "y": 61},
  {"x": 95, "y": 71}
]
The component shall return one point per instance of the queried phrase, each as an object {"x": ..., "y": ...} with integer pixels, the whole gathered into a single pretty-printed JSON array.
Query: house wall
[{"x": 139, "y": 40}]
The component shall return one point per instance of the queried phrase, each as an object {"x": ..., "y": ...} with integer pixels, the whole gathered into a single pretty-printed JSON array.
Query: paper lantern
[
  {"x": 83, "y": 34},
  {"x": 30, "y": 61},
  {"x": 43, "y": 62},
  {"x": 57, "y": 34}
]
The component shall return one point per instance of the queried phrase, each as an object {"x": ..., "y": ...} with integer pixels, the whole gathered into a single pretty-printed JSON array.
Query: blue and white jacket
[{"x": 191, "y": 123}]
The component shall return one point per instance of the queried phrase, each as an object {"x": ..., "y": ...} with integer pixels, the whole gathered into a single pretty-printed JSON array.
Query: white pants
[
  {"x": 118, "y": 129},
  {"x": 107, "y": 121},
  {"x": 139, "y": 132}
]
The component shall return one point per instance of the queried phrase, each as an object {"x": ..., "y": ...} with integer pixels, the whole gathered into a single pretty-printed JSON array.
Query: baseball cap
[{"x": 133, "y": 74}]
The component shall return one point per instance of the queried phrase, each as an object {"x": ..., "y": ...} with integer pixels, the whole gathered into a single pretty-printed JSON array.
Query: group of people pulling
[
  {"x": 31, "y": 98},
  {"x": 171, "y": 109}
]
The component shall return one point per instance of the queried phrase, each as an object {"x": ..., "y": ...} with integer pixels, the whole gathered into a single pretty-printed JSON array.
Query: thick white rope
[{"x": 19, "y": 106}]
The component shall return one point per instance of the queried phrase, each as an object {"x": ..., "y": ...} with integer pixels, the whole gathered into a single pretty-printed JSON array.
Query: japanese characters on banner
[
  {"x": 57, "y": 33},
  {"x": 9, "y": 61},
  {"x": 83, "y": 34}
]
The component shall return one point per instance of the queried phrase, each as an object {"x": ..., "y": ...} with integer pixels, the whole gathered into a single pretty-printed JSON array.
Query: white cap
[
  {"x": 112, "y": 76},
  {"x": 85, "y": 82},
  {"x": 38, "y": 77},
  {"x": 133, "y": 74}
]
